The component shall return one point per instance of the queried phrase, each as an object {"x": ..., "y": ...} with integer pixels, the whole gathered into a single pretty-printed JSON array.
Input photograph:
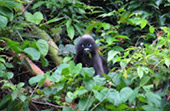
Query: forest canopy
[{"x": 37, "y": 47}]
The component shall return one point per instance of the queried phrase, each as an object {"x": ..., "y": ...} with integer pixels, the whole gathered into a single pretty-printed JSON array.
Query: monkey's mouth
[{"x": 86, "y": 51}]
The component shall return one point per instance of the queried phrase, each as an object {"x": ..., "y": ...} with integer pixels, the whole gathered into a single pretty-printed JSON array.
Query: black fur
[{"x": 90, "y": 58}]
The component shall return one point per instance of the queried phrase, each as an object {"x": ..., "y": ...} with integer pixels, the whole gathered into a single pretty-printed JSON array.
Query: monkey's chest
[{"x": 87, "y": 62}]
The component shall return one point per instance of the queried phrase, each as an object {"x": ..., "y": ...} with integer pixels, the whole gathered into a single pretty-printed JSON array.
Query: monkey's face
[{"x": 87, "y": 48}]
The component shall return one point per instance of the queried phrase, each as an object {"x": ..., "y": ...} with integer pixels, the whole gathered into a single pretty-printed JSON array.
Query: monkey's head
[{"x": 86, "y": 45}]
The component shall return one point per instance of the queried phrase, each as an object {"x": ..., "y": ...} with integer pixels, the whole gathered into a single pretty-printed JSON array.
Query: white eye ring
[{"x": 82, "y": 45}]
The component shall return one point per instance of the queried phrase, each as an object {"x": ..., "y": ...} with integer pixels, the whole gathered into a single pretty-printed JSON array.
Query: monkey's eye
[
  {"x": 89, "y": 45},
  {"x": 82, "y": 45}
]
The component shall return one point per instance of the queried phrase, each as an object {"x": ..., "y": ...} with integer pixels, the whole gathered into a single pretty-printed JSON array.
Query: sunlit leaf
[
  {"x": 33, "y": 53},
  {"x": 140, "y": 72},
  {"x": 151, "y": 29},
  {"x": 34, "y": 18},
  {"x": 3, "y": 21},
  {"x": 125, "y": 93},
  {"x": 36, "y": 79},
  {"x": 153, "y": 98},
  {"x": 70, "y": 29},
  {"x": 43, "y": 47},
  {"x": 143, "y": 23},
  {"x": 114, "y": 97},
  {"x": 111, "y": 55}
]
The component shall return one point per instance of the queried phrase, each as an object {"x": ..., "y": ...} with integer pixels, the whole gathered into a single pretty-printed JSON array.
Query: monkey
[{"x": 87, "y": 54}]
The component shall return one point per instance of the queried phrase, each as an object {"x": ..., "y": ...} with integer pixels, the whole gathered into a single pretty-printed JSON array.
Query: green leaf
[
  {"x": 8, "y": 85},
  {"x": 9, "y": 75},
  {"x": 20, "y": 85},
  {"x": 43, "y": 47},
  {"x": 111, "y": 55},
  {"x": 151, "y": 29},
  {"x": 4, "y": 100},
  {"x": 2, "y": 66},
  {"x": 153, "y": 99},
  {"x": 97, "y": 95},
  {"x": 56, "y": 76},
  {"x": 123, "y": 107},
  {"x": 140, "y": 72},
  {"x": 3, "y": 21},
  {"x": 2, "y": 60},
  {"x": 35, "y": 18},
  {"x": 70, "y": 95},
  {"x": 125, "y": 93},
  {"x": 36, "y": 79},
  {"x": 44, "y": 61},
  {"x": 143, "y": 23},
  {"x": 99, "y": 81},
  {"x": 70, "y": 29},
  {"x": 6, "y": 75},
  {"x": 158, "y": 2},
  {"x": 90, "y": 27},
  {"x": 9, "y": 65},
  {"x": 114, "y": 97},
  {"x": 121, "y": 36},
  {"x": 53, "y": 20},
  {"x": 14, "y": 95},
  {"x": 148, "y": 87},
  {"x": 134, "y": 95},
  {"x": 33, "y": 53},
  {"x": 87, "y": 72},
  {"x": 144, "y": 80},
  {"x": 89, "y": 84},
  {"x": 38, "y": 4},
  {"x": 85, "y": 103},
  {"x": 151, "y": 108},
  {"x": 26, "y": 105},
  {"x": 71, "y": 66},
  {"x": 67, "y": 109},
  {"x": 66, "y": 71},
  {"x": 109, "y": 40},
  {"x": 67, "y": 59},
  {"x": 77, "y": 69},
  {"x": 81, "y": 91},
  {"x": 167, "y": 62},
  {"x": 6, "y": 12},
  {"x": 106, "y": 26},
  {"x": 22, "y": 98}
]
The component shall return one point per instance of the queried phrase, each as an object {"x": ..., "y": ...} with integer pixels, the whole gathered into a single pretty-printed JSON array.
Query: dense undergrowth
[{"x": 40, "y": 36}]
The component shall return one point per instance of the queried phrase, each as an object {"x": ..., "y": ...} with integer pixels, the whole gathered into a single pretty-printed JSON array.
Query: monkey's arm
[
  {"x": 97, "y": 64},
  {"x": 76, "y": 59}
]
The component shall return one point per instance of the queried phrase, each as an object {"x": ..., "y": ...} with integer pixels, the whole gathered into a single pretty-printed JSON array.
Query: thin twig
[
  {"x": 87, "y": 101},
  {"x": 34, "y": 90},
  {"x": 26, "y": 7},
  {"x": 47, "y": 103},
  {"x": 35, "y": 107}
]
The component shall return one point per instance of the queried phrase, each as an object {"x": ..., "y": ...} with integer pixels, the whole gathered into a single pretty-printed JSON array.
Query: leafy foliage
[{"x": 133, "y": 38}]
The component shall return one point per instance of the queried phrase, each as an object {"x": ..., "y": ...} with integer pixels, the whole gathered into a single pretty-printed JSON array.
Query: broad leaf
[
  {"x": 125, "y": 93},
  {"x": 43, "y": 47},
  {"x": 36, "y": 79},
  {"x": 33, "y": 53},
  {"x": 114, "y": 97},
  {"x": 3, "y": 21},
  {"x": 70, "y": 29}
]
